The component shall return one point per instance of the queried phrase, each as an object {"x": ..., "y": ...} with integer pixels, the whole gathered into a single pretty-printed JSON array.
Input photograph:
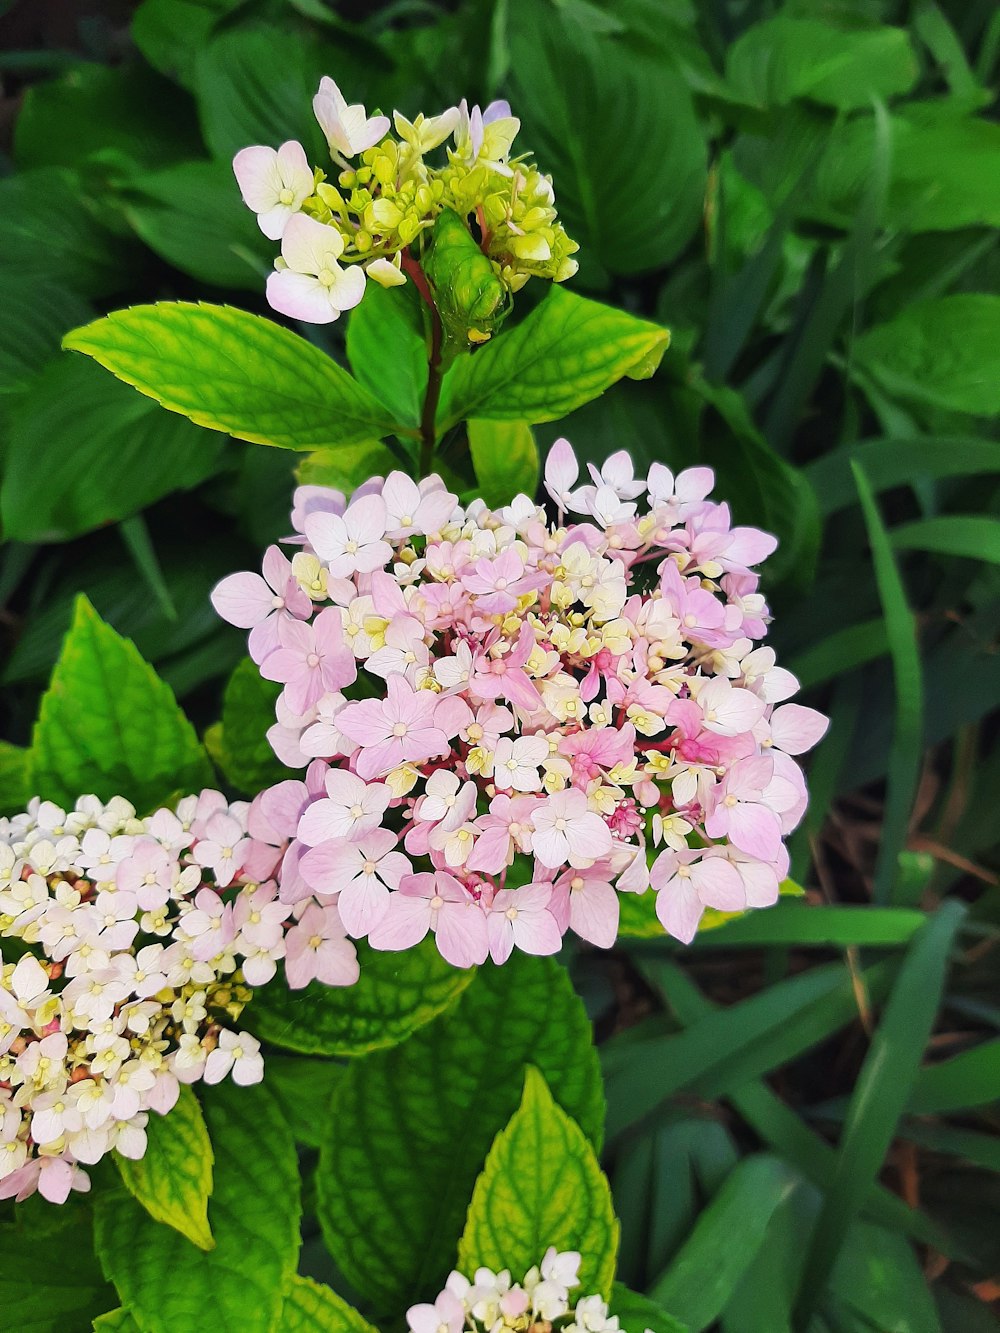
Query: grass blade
[
  {"x": 818, "y": 927},
  {"x": 884, "y": 1085},
  {"x": 977, "y": 537},
  {"x": 907, "y": 742},
  {"x": 700, "y": 1281},
  {"x": 897, "y": 462},
  {"x": 969, "y": 1079}
]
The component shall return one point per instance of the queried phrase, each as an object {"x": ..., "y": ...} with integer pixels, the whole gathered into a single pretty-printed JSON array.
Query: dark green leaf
[
  {"x": 36, "y": 315},
  {"x": 387, "y": 350},
  {"x": 395, "y": 1174},
  {"x": 972, "y": 536},
  {"x": 969, "y": 1079},
  {"x": 244, "y": 752},
  {"x": 85, "y": 451},
  {"x": 397, "y": 993},
  {"x": 637, "y": 1313}
]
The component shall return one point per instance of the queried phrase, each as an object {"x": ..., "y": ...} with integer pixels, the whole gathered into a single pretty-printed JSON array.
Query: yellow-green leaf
[
  {"x": 234, "y": 371},
  {"x": 542, "y": 1185},
  {"x": 313, "y": 1307},
  {"x": 505, "y": 456},
  {"x": 566, "y": 352},
  {"x": 173, "y": 1181}
]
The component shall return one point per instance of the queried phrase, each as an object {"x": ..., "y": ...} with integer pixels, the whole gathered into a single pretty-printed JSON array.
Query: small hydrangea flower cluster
[
  {"x": 538, "y": 703},
  {"x": 491, "y": 1302},
  {"x": 139, "y": 940},
  {"x": 333, "y": 236}
]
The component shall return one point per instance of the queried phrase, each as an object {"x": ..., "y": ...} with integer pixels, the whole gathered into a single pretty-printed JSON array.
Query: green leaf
[
  {"x": 387, "y": 350},
  {"x": 783, "y": 1130},
  {"x": 784, "y": 58},
  {"x": 637, "y": 1313},
  {"x": 255, "y": 84},
  {"x": 168, "y": 1284},
  {"x": 727, "y": 1047},
  {"x": 886, "y": 1080},
  {"x": 395, "y": 1175},
  {"x": 346, "y": 468},
  {"x": 15, "y": 777},
  {"x": 235, "y": 372},
  {"x": 116, "y": 1321},
  {"x": 542, "y": 1185},
  {"x": 897, "y": 462},
  {"x": 939, "y": 352},
  {"x": 304, "y": 1087},
  {"x": 244, "y": 752},
  {"x": 969, "y": 1079},
  {"x": 976, "y": 537},
  {"x": 173, "y": 1180},
  {"x": 817, "y": 927},
  {"x": 192, "y": 216},
  {"x": 51, "y": 1282},
  {"x": 505, "y": 456},
  {"x": 567, "y": 351},
  {"x": 51, "y": 235},
  {"x": 906, "y": 755},
  {"x": 396, "y": 994},
  {"x": 878, "y": 1277},
  {"x": 107, "y": 724},
  {"x": 591, "y": 109},
  {"x": 99, "y": 110},
  {"x": 170, "y": 33},
  {"x": 840, "y": 652},
  {"x": 85, "y": 451},
  {"x": 312, "y": 1307},
  {"x": 703, "y": 1275},
  {"x": 36, "y": 315}
]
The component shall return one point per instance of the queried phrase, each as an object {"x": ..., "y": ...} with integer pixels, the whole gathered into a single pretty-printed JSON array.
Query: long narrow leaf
[
  {"x": 977, "y": 537},
  {"x": 819, "y": 927},
  {"x": 897, "y": 462},
  {"x": 883, "y": 1087},
  {"x": 969, "y": 1079},
  {"x": 907, "y": 741}
]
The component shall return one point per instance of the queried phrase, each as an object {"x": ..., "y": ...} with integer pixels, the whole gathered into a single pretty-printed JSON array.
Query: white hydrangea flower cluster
[
  {"x": 137, "y": 943},
  {"x": 491, "y": 1302}
]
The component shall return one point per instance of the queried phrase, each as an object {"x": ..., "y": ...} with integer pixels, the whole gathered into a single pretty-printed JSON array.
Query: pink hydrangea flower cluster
[
  {"x": 504, "y": 715},
  {"x": 491, "y": 1302},
  {"x": 138, "y": 942}
]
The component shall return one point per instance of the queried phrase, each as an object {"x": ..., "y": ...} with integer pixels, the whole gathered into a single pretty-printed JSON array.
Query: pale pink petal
[
  {"x": 718, "y": 884},
  {"x": 300, "y": 296},
  {"x": 461, "y": 934},
  {"x": 679, "y": 909},
  {"x": 243, "y": 599},
  {"x": 594, "y": 913},
  {"x": 796, "y": 729},
  {"x": 362, "y": 905}
]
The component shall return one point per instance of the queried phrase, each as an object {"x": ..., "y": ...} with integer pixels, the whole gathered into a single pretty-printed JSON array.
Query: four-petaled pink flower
[
  {"x": 393, "y": 730},
  {"x": 317, "y": 949},
  {"x": 521, "y": 917},
  {"x": 350, "y": 809},
  {"x": 256, "y": 603},
  {"x": 351, "y": 542},
  {"x": 498, "y": 582},
  {"x": 439, "y": 903},
  {"x": 311, "y": 661},
  {"x": 362, "y": 873},
  {"x": 686, "y": 882},
  {"x": 566, "y": 830}
]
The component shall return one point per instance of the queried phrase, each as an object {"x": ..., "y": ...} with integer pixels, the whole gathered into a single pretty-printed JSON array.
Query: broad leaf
[
  {"x": 170, "y": 33},
  {"x": 173, "y": 1180},
  {"x": 15, "y": 777},
  {"x": 566, "y": 352},
  {"x": 387, "y": 350},
  {"x": 312, "y": 1307},
  {"x": 638, "y": 1314},
  {"x": 36, "y": 315},
  {"x": 235, "y": 372},
  {"x": 304, "y": 1087},
  {"x": 116, "y": 1321},
  {"x": 165, "y": 1281},
  {"x": 107, "y": 724},
  {"x": 50, "y": 1280},
  {"x": 243, "y": 751},
  {"x": 192, "y": 216},
  {"x": 409, "y": 1128},
  {"x": 85, "y": 451},
  {"x": 592, "y": 110},
  {"x": 774, "y": 62},
  {"x": 505, "y": 456},
  {"x": 542, "y": 1185},
  {"x": 345, "y": 468},
  {"x": 59, "y": 245},
  {"x": 396, "y": 994},
  {"x": 95, "y": 109},
  {"x": 942, "y": 353}
]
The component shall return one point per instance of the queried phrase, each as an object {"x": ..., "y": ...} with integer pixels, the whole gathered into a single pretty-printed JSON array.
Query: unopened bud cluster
[
  {"x": 491, "y": 1302},
  {"x": 130, "y": 949}
]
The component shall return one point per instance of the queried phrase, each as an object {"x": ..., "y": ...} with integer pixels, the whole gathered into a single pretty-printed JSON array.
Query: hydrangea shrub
[{"x": 499, "y": 718}]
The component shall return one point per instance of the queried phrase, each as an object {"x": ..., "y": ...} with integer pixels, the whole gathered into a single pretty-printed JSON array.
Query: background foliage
[{"x": 801, "y": 1110}]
